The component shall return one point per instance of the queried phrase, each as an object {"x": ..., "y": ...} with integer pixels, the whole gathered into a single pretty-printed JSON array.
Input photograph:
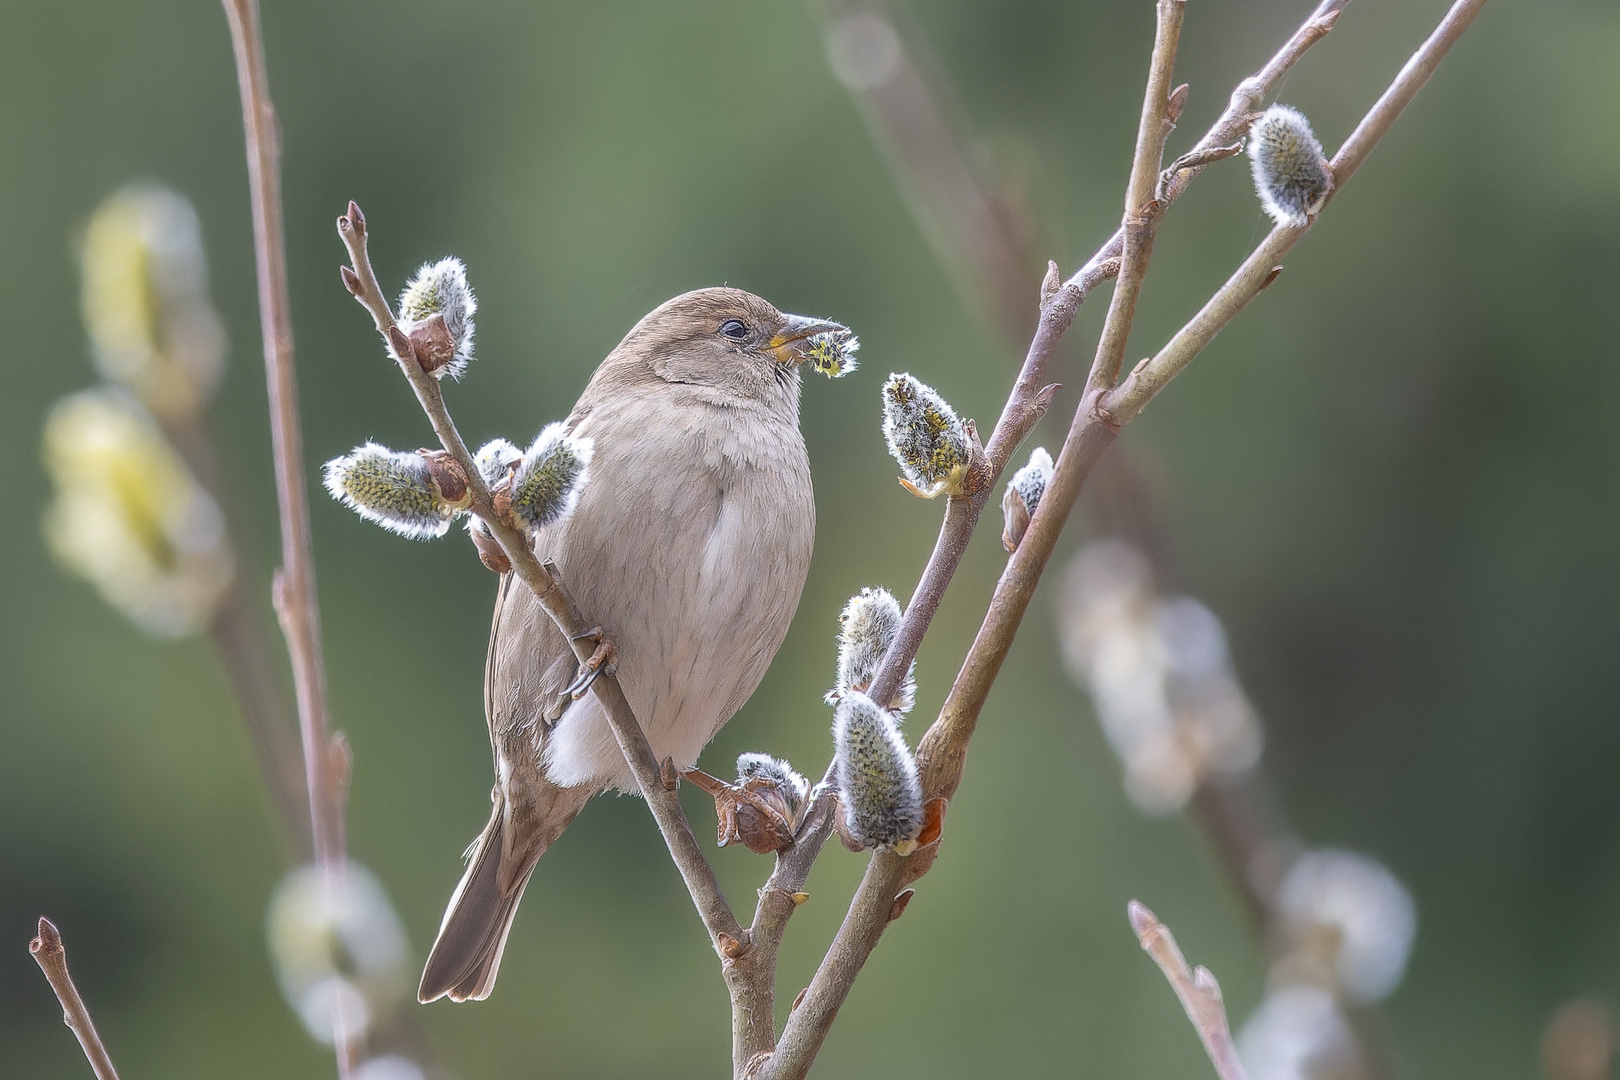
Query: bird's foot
[
  {"x": 754, "y": 813},
  {"x": 599, "y": 661}
]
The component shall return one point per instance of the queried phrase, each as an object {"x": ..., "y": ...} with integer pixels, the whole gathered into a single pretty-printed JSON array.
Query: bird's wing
[{"x": 526, "y": 675}]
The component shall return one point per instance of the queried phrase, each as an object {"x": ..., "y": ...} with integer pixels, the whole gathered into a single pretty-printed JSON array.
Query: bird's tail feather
[{"x": 467, "y": 954}]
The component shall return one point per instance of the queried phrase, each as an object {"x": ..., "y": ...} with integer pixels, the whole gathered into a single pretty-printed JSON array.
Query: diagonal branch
[
  {"x": 942, "y": 753},
  {"x": 52, "y": 959},
  {"x": 665, "y": 804},
  {"x": 1262, "y": 265},
  {"x": 1198, "y": 991}
]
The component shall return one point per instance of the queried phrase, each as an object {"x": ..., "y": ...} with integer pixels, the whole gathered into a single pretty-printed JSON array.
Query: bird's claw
[{"x": 599, "y": 661}]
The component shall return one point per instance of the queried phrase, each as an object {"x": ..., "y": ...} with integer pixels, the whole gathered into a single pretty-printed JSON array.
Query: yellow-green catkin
[
  {"x": 866, "y": 628},
  {"x": 1290, "y": 171},
  {"x": 833, "y": 353},
  {"x": 547, "y": 483},
  {"x": 878, "y": 785},
  {"x": 145, "y": 300},
  {"x": 925, "y": 437},
  {"x": 441, "y": 289},
  {"x": 129, "y": 517},
  {"x": 392, "y": 488}
]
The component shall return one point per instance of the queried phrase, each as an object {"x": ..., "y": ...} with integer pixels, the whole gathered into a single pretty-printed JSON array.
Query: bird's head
[{"x": 728, "y": 342}]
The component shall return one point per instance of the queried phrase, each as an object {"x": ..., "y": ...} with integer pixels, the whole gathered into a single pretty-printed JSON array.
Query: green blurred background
[{"x": 1396, "y": 477}]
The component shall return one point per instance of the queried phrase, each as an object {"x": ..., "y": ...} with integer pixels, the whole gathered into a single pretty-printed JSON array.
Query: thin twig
[
  {"x": 294, "y": 591},
  {"x": 942, "y": 752},
  {"x": 1200, "y": 994},
  {"x": 553, "y": 596},
  {"x": 52, "y": 959},
  {"x": 1233, "y": 124},
  {"x": 293, "y": 588},
  {"x": 1257, "y": 271},
  {"x": 1142, "y": 210}
]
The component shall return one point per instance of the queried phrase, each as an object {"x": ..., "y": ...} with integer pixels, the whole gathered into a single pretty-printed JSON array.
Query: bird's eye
[{"x": 734, "y": 329}]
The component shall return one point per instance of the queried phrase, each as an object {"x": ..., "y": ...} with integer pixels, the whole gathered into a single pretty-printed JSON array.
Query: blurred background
[{"x": 1395, "y": 479}]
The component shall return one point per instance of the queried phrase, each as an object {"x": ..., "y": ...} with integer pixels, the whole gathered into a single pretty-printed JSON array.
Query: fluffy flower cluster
[
  {"x": 406, "y": 493},
  {"x": 877, "y": 776},
  {"x": 925, "y": 437},
  {"x": 1290, "y": 171},
  {"x": 833, "y": 354},
  {"x": 547, "y": 480},
  {"x": 393, "y": 488},
  {"x": 441, "y": 289},
  {"x": 339, "y": 950},
  {"x": 866, "y": 629},
  {"x": 1159, "y": 674},
  {"x": 130, "y": 517},
  {"x": 145, "y": 302}
]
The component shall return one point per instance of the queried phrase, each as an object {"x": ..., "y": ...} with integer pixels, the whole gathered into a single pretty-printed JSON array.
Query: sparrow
[{"x": 689, "y": 545}]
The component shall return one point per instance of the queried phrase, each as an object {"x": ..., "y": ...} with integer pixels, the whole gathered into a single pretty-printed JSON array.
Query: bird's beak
[{"x": 789, "y": 343}]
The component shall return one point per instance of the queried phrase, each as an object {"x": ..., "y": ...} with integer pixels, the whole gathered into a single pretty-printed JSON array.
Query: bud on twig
[
  {"x": 925, "y": 437},
  {"x": 547, "y": 482},
  {"x": 395, "y": 489},
  {"x": 440, "y": 289},
  {"x": 1291, "y": 173},
  {"x": 833, "y": 353},
  {"x": 1023, "y": 495},
  {"x": 877, "y": 777},
  {"x": 866, "y": 629}
]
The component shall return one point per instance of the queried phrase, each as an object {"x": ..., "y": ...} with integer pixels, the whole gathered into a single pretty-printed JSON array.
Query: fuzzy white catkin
[
  {"x": 392, "y": 488},
  {"x": 441, "y": 288},
  {"x": 338, "y": 949},
  {"x": 866, "y": 628},
  {"x": 1290, "y": 171},
  {"x": 1023, "y": 496},
  {"x": 494, "y": 458},
  {"x": 1366, "y": 905},
  {"x": 547, "y": 483},
  {"x": 925, "y": 436},
  {"x": 877, "y": 776},
  {"x": 788, "y": 780}
]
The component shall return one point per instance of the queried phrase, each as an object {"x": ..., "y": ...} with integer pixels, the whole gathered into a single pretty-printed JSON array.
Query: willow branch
[
  {"x": 942, "y": 752},
  {"x": 1262, "y": 265},
  {"x": 665, "y": 804},
  {"x": 52, "y": 959},
  {"x": 294, "y": 591},
  {"x": 1142, "y": 210},
  {"x": 1225, "y": 137},
  {"x": 1198, "y": 991}
]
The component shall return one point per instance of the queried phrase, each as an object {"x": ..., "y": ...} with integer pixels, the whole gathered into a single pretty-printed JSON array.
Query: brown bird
[{"x": 689, "y": 545}]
